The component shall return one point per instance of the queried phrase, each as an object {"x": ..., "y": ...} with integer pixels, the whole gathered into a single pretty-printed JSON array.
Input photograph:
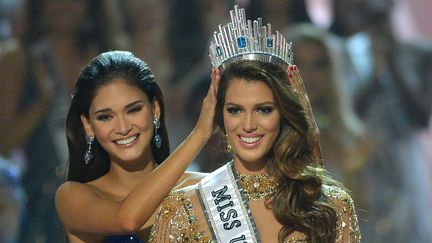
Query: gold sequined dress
[{"x": 181, "y": 219}]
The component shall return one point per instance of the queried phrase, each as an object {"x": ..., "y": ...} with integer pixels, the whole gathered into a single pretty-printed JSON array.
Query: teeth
[
  {"x": 126, "y": 141},
  {"x": 250, "y": 140}
]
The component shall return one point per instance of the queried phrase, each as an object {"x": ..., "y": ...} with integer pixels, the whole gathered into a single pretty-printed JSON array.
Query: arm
[
  {"x": 298, "y": 87},
  {"x": 83, "y": 210}
]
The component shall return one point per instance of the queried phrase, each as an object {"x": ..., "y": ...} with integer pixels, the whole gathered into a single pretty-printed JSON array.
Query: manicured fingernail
[
  {"x": 291, "y": 68},
  {"x": 295, "y": 67},
  {"x": 290, "y": 75}
]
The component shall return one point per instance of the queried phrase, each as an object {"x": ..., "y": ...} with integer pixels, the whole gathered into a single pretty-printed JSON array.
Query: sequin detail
[
  {"x": 347, "y": 228},
  {"x": 177, "y": 220}
]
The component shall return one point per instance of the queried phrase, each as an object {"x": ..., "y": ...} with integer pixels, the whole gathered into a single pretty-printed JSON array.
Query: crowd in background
[{"x": 369, "y": 85}]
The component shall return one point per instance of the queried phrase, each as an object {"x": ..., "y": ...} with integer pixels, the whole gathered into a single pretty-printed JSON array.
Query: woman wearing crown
[{"x": 275, "y": 189}]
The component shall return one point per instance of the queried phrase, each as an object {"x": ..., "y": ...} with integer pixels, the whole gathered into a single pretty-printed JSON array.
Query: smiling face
[
  {"x": 121, "y": 119},
  {"x": 252, "y": 122}
]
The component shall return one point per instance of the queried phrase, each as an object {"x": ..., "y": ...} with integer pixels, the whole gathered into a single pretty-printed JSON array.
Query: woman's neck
[
  {"x": 247, "y": 167},
  {"x": 126, "y": 176}
]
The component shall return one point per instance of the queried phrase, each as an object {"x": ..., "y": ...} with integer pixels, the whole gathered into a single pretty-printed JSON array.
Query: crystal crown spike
[{"x": 242, "y": 39}]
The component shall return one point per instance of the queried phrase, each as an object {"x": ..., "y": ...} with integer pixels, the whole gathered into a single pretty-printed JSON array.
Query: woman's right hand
[{"x": 205, "y": 125}]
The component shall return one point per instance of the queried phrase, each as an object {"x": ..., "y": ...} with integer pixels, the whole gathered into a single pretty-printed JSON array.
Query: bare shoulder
[
  {"x": 72, "y": 194},
  {"x": 74, "y": 189}
]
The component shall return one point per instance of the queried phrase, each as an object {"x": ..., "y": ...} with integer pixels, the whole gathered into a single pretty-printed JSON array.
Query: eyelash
[
  {"x": 263, "y": 109},
  {"x": 108, "y": 117},
  {"x": 103, "y": 117},
  {"x": 135, "y": 109},
  {"x": 233, "y": 110}
]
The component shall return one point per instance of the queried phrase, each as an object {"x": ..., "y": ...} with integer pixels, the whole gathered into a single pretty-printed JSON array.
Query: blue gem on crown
[
  {"x": 269, "y": 41},
  {"x": 241, "y": 42},
  {"x": 219, "y": 50},
  {"x": 243, "y": 39}
]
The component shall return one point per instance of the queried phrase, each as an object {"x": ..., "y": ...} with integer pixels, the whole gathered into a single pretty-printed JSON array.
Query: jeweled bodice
[{"x": 181, "y": 219}]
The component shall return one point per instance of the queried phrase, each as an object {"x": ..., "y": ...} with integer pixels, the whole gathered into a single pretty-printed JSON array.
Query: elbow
[{"x": 130, "y": 224}]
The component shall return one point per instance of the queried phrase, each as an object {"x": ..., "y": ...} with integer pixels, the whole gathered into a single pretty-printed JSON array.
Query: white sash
[{"x": 226, "y": 210}]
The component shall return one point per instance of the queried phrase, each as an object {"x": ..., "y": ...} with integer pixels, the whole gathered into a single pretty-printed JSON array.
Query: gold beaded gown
[{"x": 181, "y": 218}]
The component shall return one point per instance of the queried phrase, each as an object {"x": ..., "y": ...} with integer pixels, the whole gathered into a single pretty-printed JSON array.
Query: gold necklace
[{"x": 258, "y": 187}]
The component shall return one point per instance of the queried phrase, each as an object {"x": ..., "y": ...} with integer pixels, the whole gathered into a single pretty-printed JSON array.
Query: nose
[
  {"x": 249, "y": 123},
  {"x": 122, "y": 126}
]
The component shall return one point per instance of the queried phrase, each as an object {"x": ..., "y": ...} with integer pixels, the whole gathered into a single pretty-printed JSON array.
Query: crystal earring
[
  {"x": 88, "y": 153},
  {"x": 157, "y": 138}
]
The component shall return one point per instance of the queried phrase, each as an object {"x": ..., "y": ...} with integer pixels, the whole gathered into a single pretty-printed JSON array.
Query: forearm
[{"x": 141, "y": 203}]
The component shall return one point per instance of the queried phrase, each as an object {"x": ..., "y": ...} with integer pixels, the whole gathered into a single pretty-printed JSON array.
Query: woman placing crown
[
  {"x": 120, "y": 167},
  {"x": 275, "y": 188}
]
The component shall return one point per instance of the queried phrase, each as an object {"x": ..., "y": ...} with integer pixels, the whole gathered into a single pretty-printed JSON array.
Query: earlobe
[
  {"x": 156, "y": 109},
  {"x": 86, "y": 124}
]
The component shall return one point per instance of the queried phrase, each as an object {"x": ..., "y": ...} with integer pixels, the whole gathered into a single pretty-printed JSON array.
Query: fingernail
[
  {"x": 291, "y": 68},
  {"x": 295, "y": 67},
  {"x": 290, "y": 75}
]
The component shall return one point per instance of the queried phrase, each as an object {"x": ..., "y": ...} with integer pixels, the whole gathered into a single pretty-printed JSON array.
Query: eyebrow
[
  {"x": 126, "y": 107},
  {"x": 259, "y": 104}
]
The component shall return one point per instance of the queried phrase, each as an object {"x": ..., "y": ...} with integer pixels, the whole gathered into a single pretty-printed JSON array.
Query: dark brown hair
[{"x": 299, "y": 204}]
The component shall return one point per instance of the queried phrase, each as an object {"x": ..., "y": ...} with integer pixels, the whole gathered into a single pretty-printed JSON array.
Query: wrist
[{"x": 200, "y": 134}]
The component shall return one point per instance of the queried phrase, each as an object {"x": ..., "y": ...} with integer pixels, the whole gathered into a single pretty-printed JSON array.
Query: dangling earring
[
  {"x": 228, "y": 144},
  {"x": 88, "y": 153},
  {"x": 157, "y": 138}
]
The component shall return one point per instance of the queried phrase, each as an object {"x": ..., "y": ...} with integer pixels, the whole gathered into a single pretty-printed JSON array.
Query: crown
[{"x": 243, "y": 39}]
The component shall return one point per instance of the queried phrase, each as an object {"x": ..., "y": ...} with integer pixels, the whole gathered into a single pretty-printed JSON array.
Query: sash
[{"x": 226, "y": 210}]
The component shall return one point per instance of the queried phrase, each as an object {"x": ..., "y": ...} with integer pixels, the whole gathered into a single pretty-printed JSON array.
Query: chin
[
  {"x": 128, "y": 157},
  {"x": 250, "y": 159}
]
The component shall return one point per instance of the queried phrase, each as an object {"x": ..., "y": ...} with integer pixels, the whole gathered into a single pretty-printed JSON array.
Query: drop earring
[
  {"x": 88, "y": 153},
  {"x": 157, "y": 138},
  {"x": 228, "y": 144}
]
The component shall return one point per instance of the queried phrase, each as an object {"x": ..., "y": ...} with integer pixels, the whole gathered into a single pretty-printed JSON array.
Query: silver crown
[{"x": 243, "y": 39}]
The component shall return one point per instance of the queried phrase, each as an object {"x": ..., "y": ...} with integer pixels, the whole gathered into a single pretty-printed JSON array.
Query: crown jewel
[{"x": 243, "y": 39}]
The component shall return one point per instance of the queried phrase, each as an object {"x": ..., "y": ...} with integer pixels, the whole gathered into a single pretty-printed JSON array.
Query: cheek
[
  {"x": 272, "y": 125},
  {"x": 101, "y": 131},
  {"x": 145, "y": 121},
  {"x": 230, "y": 123}
]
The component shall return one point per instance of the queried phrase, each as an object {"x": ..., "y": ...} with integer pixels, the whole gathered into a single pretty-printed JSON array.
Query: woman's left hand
[{"x": 298, "y": 88}]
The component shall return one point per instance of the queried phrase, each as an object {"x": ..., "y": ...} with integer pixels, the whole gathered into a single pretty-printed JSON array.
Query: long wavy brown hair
[{"x": 299, "y": 204}]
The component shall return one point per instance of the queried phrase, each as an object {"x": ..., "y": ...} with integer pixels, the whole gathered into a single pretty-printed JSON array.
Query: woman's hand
[
  {"x": 298, "y": 88},
  {"x": 205, "y": 125}
]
